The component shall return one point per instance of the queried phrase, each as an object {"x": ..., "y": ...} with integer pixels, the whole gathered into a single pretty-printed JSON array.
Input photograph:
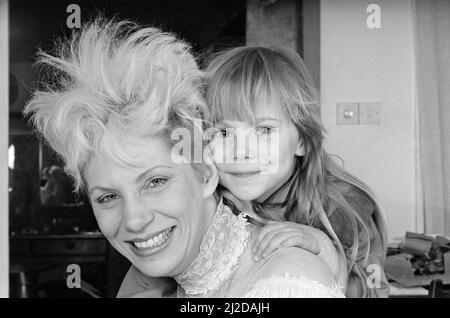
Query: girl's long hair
[{"x": 238, "y": 79}]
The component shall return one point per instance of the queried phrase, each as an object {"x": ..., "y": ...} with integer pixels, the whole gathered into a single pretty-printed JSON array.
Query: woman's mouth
[{"x": 154, "y": 243}]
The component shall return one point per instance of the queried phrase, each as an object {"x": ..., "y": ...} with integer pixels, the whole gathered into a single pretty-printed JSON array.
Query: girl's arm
[
  {"x": 368, "y": 282},
  {"x": 288, "y": 234},
  {"x": 367, "y": 277}
]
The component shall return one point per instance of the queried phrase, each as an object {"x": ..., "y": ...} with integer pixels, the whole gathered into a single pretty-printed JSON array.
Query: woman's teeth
[{"x": 155, "y": 241}]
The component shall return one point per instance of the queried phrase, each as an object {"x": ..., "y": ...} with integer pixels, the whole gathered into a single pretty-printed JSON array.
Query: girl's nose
[
  {"x": 137, "y": 215},
  {"x": 245, "y": 147}
]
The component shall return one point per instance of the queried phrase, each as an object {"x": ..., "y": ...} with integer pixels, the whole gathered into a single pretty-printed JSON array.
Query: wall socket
[
  {"x": 369, "y": 113},
  {"x": 358, "y": 113}
]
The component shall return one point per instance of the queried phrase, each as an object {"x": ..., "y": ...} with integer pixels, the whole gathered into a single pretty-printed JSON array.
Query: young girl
[{"x": 267, "y": 95}]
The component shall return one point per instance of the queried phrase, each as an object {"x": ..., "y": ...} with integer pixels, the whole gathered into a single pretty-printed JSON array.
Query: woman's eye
[
  {"x": 263, "y": 130},
  {"x": 155, "y": 183},
  {"x": 107, "y": 198}
]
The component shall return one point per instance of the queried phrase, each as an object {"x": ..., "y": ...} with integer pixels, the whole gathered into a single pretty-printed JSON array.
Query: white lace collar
[{"x": 223, "y": 243}]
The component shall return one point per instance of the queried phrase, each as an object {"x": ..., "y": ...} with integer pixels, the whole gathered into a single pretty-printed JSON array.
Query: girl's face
[
  {"x": 256, "y": 160},
  {"x": 154, "y": 215}
]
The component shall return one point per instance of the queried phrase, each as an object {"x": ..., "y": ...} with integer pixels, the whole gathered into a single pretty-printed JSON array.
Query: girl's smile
[{"x": 243, "y": 174}]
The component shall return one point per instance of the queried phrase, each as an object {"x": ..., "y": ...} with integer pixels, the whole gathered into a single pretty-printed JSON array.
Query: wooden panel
[
  {"x": 311, "y": 38},
  {"x": 20, "y": 247},
  {"x": 275, "y": 23},
  {"x": 69, "y": 247}
]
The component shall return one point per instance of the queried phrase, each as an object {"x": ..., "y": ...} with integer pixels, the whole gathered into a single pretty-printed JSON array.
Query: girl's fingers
[
  {"x": 261, "y": 245},
  {"x": 269, "y": 227},
  {"x": 277, "y": 241},
  {"x": 287, "y": 234},
  {"x": 291, "y": 238},
  {"x": 272, "y": 241},
  {"x": 306, "y": 243}
]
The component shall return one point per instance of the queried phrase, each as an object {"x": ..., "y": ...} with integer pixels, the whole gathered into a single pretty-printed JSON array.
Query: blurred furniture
[
  {"x": 40, "y": 262},
  {"x": 20, "y": 283},
  {"x": 436, "y": 289}
]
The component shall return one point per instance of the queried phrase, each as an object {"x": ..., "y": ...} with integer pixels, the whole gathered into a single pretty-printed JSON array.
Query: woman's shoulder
[
  {"x": 291, "y": 261},
  {"x": 289, "y": 272},
  {"x": 296, "y": 262}
]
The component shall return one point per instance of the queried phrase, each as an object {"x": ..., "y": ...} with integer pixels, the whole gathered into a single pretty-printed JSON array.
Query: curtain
[{"x": 432, "y": 29}]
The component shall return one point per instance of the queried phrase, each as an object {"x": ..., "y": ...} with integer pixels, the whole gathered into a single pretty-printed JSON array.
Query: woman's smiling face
[{"x": 154, "y": 215}]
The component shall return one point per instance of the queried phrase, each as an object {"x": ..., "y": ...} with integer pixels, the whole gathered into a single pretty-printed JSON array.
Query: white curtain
[{"x": 432, "y": 26}]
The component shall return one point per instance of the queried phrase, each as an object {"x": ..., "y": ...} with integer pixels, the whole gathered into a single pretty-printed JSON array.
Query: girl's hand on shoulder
[
  {"x": 284, "y": 234},
  {"x": 288, "y": 234}
]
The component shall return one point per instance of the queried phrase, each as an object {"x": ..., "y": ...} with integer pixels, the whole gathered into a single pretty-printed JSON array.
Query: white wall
[
  {"x": 359, "y": 64},
  {"x": 4, "y": 115}
]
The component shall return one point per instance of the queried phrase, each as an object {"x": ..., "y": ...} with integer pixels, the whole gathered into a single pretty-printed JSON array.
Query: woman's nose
[{"x": 137, "y": 215}]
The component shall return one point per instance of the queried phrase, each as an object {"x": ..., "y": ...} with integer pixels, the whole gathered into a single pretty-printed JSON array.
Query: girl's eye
[
  {"x": 155, "y": 183},
  {"x": 263, "y": 130},
  {"x": 107, "y": 198},
  {"x": 224, "y": 133}
]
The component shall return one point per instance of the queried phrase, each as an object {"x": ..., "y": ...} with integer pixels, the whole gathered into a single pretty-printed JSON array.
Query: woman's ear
[
  {"x": 210, "y": 175},
  {"x": 300, "y": 151}
]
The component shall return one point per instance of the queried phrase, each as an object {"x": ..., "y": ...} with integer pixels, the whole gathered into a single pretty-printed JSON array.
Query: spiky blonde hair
[{"x": 111, "y": 81}]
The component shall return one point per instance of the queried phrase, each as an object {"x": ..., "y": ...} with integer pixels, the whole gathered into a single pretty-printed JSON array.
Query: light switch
[
  {"x": 347, "y": 114},
  {"x": 370, "y": 113}
]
